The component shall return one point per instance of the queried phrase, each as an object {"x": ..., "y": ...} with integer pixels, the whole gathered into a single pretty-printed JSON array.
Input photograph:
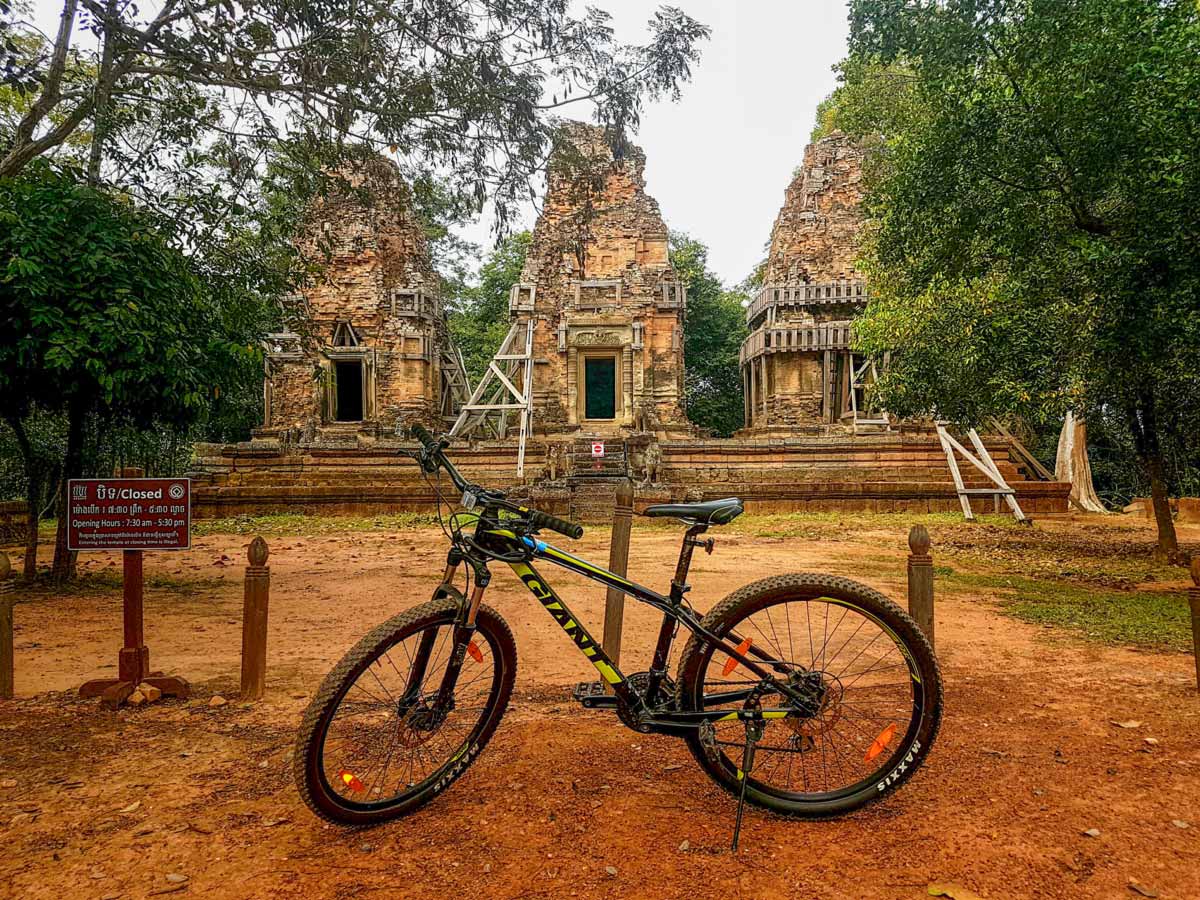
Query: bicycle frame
[{"x": 674, "y": 614}]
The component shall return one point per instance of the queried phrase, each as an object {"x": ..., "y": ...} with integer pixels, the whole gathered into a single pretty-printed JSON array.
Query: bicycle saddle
[{"x": 713, "y": 512}]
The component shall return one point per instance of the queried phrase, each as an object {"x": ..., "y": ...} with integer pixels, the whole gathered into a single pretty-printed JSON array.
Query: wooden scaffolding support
[
  {"x": 985, "y": 464},
  {"x": 1032, "y": 461},
  {"x": 497, "y": 394},
  {"x": 456, "y": 388},
  {"x": 861, "y": 377}
]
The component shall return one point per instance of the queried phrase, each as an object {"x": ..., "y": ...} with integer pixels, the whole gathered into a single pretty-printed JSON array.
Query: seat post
[{"x": 679, "y": 582}]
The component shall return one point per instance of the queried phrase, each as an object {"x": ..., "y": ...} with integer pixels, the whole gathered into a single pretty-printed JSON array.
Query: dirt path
[{"x": 99, "y": 804}]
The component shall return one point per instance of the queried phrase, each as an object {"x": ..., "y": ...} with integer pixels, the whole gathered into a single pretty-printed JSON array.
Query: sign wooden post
[
  {"x": 254, "y": 621},
  {"x": 1194, "y": 603},
  {"x": 618, "y": 563},
  {"x": 7, "y": 598},
  {"x": 920, "y": 580},
  {"x": 132, "y": 514}
]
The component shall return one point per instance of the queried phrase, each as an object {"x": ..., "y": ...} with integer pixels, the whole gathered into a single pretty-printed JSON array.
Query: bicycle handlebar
[
  {"x": 434, "y": 451},
  {"x": 554, "y": 523}
]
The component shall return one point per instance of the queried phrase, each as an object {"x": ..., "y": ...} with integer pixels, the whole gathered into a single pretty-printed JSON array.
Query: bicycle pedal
[{"x": 593, "y": 695}]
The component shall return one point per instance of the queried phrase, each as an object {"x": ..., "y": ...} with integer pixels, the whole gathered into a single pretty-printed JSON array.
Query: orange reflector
[
  {"x": 351, "y": 781},
  {"x": 732, "y": 663},
  {"x": 881, "y": 742},
  {"x": 476, "y": 653}
]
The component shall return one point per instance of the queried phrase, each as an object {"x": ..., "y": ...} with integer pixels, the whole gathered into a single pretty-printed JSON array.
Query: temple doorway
[
  {"x": 348, "y": 381},
  {"x": 600, "y": 386}
]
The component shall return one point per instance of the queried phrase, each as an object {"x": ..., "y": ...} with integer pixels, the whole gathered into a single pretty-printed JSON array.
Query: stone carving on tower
[
  {"x": 374, "y": 348},
  {"x": 608, "y": 306}
]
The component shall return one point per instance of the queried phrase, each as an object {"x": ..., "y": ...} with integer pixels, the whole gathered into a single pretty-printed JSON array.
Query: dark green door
[{"x": 600, "y": 387}]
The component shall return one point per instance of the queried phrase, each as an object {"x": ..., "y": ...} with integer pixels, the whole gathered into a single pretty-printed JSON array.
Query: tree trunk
[
  {"x": 64, "y": 560},
  {"x": 1144, "y": 425},
  {"x": 33, "y": 494},
  {"x": 1071, "y": 464}
]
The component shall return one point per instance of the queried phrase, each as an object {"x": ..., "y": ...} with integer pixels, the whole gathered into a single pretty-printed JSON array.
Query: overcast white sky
[{"x": 718, "y": 161}]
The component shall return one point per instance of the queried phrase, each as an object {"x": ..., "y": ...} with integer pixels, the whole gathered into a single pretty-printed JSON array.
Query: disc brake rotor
[{"x": 828, "y": 712}]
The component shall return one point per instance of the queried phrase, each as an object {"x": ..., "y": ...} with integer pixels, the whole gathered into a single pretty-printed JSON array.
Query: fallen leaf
[
  {"x": 1131, "y": 723},
  {"x": 953, "y": 891},
  {"x": 1179, "y": 823},
  {"x": 1092, "y": 832},
  {"x": 132, "y": 807},
  {"x": 176, "y": 878},
  {"x": 1142, "y": 889}
]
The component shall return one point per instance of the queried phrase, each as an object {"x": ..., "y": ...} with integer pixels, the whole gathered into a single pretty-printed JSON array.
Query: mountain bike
[{"x": 806, "y": 695}]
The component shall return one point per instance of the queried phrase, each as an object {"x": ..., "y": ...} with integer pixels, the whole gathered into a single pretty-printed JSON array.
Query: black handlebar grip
[
  {"x": 554, "y": 523},
  {"x": 421, "y": 434}
]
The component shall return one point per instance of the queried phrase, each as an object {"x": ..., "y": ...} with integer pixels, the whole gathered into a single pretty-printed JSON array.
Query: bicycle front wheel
[
  {"x": 387, "y": 731},
  {"x": 872, "y": 694}
]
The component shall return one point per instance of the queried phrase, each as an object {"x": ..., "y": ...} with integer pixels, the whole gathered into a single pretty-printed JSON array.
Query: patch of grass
[
  {"x": 293, "y": 524},
  {"x": 1157, "y": 620},
  {"x": 824, "y": 525},
  {"x": 107, "y": 581}
]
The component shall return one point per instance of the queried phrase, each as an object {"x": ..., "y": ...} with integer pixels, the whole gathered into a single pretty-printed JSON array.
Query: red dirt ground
[{"x": 97, "y": 804}]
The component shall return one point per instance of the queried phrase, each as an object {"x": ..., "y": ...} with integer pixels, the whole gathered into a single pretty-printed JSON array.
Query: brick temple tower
[
  {"x": 608, "y": 307},
  {"x": 797, "y": 367},
  {"x": 375, "y": 348}
]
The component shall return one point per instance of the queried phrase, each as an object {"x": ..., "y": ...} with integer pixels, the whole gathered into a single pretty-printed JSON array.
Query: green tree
[
  {"x": 106, "y": 321},
  {"x": 479, "y": 313},
  {"x": 466, "y": 88},
  {"x": 714, "y": 328},
  {"x": 1034, "y": 243}
]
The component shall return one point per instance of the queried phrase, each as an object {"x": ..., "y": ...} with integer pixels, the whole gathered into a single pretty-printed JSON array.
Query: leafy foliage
[
  {"x": 102, "y": 311},
  {"x": 479, "y": 314},
  {"x": 714, "y": 329},
  {"x": 463, "y": 89},
  {"x": 109, "y": 323},
  {"x": 1034, "y": 243}
]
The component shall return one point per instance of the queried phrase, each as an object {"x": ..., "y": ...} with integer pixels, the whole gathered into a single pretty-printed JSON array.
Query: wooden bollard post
[
  {"x": 7, "y": 598},
  {"x": 920, "y": 580},
  {"x": 618, "y": 563},
  {"x": 254, "y": 621},
  {"x": 1194, "y": 602}
]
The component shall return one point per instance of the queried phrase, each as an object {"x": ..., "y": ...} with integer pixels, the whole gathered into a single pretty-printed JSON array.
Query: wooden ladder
[
  {"x": 985, "y": 464},
  {"x": 498, "y": 394}
]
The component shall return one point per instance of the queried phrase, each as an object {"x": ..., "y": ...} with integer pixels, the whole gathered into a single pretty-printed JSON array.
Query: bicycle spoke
[
  {"x": 378, "y": 749},
  {"x": 853, "y": 684}
]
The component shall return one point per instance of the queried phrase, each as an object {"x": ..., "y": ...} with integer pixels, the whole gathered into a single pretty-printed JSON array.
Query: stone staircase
[{"x": 592, "y": 484}]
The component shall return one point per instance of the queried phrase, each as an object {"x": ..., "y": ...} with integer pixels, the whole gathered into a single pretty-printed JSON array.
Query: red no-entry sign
[{"x": 129, "y": 514}]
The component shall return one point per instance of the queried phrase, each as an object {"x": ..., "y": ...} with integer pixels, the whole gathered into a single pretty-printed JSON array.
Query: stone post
[
  {"x": 1194, "y": 602},
  {"x": 618, "y": 562},
  {"x": 254, "y": 621},
  {"x": 7, "y": 598},
  {"x": 920, "y": 580}
]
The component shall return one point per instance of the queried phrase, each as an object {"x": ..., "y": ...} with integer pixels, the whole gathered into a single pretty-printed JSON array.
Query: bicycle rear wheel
[
  {"x": 872, "y": 687},
  {"x": 382, "y": 737}
]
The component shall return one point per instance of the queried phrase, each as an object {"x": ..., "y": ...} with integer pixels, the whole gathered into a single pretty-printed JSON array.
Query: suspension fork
[
  {"x": 464, "y": 630},
  {"x": 420, "y": 664}
]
